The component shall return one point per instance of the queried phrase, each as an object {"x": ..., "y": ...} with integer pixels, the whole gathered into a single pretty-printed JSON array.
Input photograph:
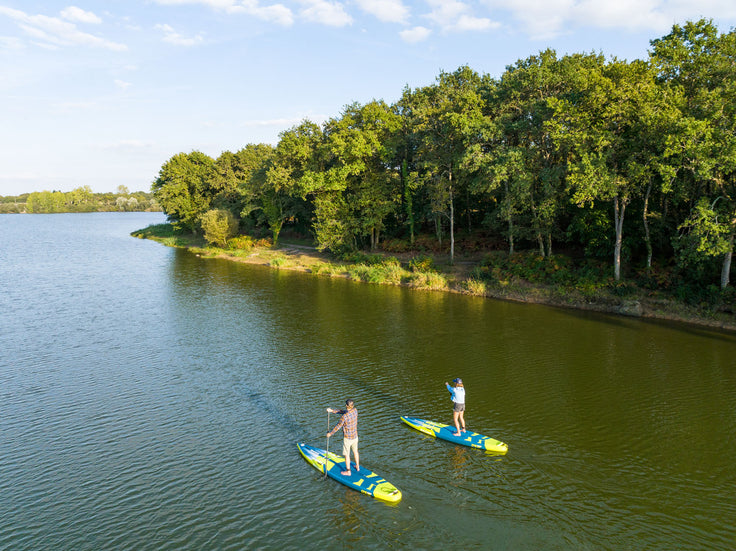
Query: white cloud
[
  {"x": 73, "y": 13},
  {"x": 122, "y": 84},
  {"x": 540, "y": 18},
  {"x": 470, "y": 23},
  {"x": 173, "y": 37},
  {"x": 217, "y": 4},
  {"x": 325, "y": 12},
  {"x": 55, "y": 32},
  {"x": 415, "y": 34},
  {"x": 544, "y": 19},
  {"x": 275, "y": 13},
  {"x": 622, "y": 14},
  {"x": 390, "y": 11},
  {"x": 454, "y": 15}
]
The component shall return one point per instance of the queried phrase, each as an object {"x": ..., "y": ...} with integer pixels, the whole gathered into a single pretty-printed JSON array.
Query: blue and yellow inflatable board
[
  {"x": 364, "y": 481},
  {"x": 447, "y": 432}
]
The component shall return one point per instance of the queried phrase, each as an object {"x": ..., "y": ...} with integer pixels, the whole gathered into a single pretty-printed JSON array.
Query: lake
[{"x": 153, "y": 399}]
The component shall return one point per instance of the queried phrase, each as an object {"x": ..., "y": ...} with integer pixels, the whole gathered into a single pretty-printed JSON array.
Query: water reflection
[{"x": 152, "y": 399}]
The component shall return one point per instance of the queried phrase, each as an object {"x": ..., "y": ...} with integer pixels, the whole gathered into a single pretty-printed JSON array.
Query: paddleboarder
[
  {"x": 349, "y": 425},
  {"x": 458, "y": 401}
]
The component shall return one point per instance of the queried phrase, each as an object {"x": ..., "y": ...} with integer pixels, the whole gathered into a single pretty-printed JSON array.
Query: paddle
[{"x": 327, "y": 449}]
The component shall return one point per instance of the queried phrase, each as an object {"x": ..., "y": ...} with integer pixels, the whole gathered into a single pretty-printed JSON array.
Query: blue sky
[{"x": 102, "y": 93}]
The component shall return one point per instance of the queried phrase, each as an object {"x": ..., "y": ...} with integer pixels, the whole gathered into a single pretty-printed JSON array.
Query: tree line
[
  {"x": 81, "y": 199},
  {"x": 602, "y": 158}
]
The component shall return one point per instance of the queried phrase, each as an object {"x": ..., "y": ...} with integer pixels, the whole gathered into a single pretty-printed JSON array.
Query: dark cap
[{"x": 458, "y": 381}]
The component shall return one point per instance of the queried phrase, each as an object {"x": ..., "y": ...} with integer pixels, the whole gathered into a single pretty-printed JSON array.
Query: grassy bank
[{"x": 523, "y": 277}]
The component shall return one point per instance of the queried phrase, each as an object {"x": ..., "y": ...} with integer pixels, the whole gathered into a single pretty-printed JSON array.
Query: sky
[{"x": 102, "y": 93}]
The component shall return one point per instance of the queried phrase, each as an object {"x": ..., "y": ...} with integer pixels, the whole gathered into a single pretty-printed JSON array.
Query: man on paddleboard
[
  {"x": 349, "y": 425},
  {"x": 458, "y": 401}
]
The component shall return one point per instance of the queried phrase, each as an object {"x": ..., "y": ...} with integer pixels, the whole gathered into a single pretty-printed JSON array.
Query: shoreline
[{"x": 456, "y": 279}]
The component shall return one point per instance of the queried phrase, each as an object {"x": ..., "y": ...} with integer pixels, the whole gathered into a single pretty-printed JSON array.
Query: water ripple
[{"x": 150, "y": 399}]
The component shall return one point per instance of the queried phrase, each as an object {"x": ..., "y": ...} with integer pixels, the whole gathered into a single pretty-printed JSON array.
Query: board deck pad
[
  {"x": 447, "y": 432},
  {"x": 364, "y": 481}
]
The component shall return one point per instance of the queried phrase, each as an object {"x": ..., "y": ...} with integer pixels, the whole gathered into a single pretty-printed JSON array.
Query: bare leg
[
  {"x": 346, "y": 451},
  {"x": 455, "y": 415},
  {"x": 356, "y": 456},
  {"x": 462, "y": 420}
]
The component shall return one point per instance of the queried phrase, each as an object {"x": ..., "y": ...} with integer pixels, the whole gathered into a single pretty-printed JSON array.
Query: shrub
[
  {"x": 241, "y": 242},
  {"x": 427, "y": 280},
  {"x": 218, "y": 225},
  {"x": 421, "y": 263},
  {"x": 387, "y": 272},
  {"x": 475, "y": 287}
]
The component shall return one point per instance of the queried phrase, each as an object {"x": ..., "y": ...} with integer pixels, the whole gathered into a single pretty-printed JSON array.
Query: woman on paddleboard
[
  {"x": 349, "y": 424},
  {"x": 458, "y": 407}
]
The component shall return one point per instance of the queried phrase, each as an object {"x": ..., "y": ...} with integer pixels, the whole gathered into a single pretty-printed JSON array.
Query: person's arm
[
  {"x": 337, "y": 427},
  {"x": 450, "y": 389}
]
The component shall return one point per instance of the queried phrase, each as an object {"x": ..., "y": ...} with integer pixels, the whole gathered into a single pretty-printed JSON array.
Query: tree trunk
[
  {"x": 467, "y": 210},
  {"x": 452, "y": 227},
  {"x": 408, "y": 201},
  {"x": 510, "y": 222},
  {"x": 535, "y": 218},
  {"x": 618, "y": 218},
  {"x": 646, "y": 226},
  {"x": 726, "y": 271},
  {"x": 276, "y": 231}
]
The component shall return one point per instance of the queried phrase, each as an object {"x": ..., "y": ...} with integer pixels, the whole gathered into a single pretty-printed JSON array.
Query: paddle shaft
[{"x": 327, "y": 448}]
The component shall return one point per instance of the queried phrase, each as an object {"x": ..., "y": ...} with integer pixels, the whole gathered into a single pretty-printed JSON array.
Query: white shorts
[{"x": 347, "y": 444}]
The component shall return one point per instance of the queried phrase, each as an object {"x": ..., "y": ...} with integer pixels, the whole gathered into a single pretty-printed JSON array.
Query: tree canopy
[{"x": 634, "y": 161}]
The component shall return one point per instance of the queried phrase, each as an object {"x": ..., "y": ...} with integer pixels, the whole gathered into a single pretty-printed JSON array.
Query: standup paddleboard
[
  {"x": 447, "y": 432},
  {"x": 364, "y": 480}
]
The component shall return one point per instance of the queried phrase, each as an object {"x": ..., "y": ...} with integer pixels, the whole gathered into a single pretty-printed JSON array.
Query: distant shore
[{"x": 457, "y": 278}]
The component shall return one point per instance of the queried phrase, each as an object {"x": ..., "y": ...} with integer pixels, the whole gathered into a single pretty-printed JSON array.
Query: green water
[{"x": 151, "y": 399}]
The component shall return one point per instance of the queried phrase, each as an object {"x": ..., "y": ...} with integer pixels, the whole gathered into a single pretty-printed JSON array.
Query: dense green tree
[
  {"x": 184, "y": 188},
  {"x": 444, "y": 113},
  {"x": 556, "y": 149},
  {"x": 523, "y": 109},
  {"x": 46, "y": 202},
  {"x": 700, "y": 63},
  {"x": 516, "y": 158},
  {"x": 288, "y": 178},
  {"x": 356, "y": 148},
  {"x": 605, "y": 129},
  {"x": 404, "y": 143}
]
